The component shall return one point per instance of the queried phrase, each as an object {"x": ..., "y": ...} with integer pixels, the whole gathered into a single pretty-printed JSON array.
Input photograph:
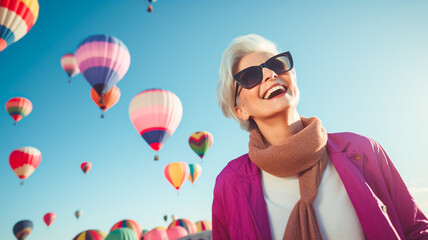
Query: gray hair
[{"x": 239, "y": 47}]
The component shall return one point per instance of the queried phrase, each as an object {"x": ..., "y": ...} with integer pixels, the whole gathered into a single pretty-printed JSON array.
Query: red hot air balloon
[
  {"x": 86, "y": 166},
  {"x": 109, "y": 99},
  {"x": 49, "y": 218},
  {"x": 18, "y": 108},
  {"x": 24, "y": 161},
  {"x": 176, "y": 232}
]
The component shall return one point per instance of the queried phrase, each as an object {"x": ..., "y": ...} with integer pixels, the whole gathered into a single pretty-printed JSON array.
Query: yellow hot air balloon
[{"x": 176, "y": 173}]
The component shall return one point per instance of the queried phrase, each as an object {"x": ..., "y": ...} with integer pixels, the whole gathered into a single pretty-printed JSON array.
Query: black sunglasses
[{"x": 252, "y": 76}]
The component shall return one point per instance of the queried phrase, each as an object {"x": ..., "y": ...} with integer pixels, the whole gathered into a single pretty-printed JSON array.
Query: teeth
[{"x": 270, "y": 91}]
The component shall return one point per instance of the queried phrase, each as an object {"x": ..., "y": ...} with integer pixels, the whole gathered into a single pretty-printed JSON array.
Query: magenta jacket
[{"x": 383, "y": 204}]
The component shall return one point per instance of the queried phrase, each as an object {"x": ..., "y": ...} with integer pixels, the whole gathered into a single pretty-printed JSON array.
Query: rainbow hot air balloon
[
  {"x": 109, "y": 99},
  {"x": 122, "y": 234},
  {"x": 200, "y": 142},
  {"x": 186, "y": 223},
  {"x": 86, "y": 166},
  {"x": 17, "y": 17},
  {"x": 203, "y": 226},
  {"x": 77, "y": 213},
  {"x": 176, "y": 232},
  {"x": 195, "y": 171},
  {"x": 24, "y": 161},
  {"x": 22, "y": 229},
  {"x": 90, "y": 235},
  {"x": 49, "y": 218},
  {"x": 155, "y": 114},
  {"x": 176, "y": 173},
  {"x": 103, "y": 61},
  {"x": 128, "y": 223},
  {"x": 69, "y": 64},
  {"x": 18, "y": 107}
]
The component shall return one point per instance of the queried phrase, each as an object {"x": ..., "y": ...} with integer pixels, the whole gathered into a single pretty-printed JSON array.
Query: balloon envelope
[
  {"x": 109, "y": 99},
  {"x": 78, "y": 213},
  {"x": 22, "y": 229},
  {"x": 122, "y": 234},
  {"x": 103, "y": 61},
  {"x": 155, "y": 114},
  {"x": 24, "y": 161},
  {"x": 176, "y": 173},
  {"x": 176, "y": 232},
  {"x": 200, "y": 142},
  {"x": 90, "y": 235},
  {"x": 69, "y": 64},
  {"x": 203, "y": 225},
  {"x": 18, "y": 107},
  {"x": 49, "y": 218},
  {"x": 17, "y": 18},
  {"x": 183, "y": 222},
  {"x": 195, "y": 171},
  {"x": 156, "y": 234},
  {"x": 86, "y": 166},
  {"x": 128, "y": 223}
]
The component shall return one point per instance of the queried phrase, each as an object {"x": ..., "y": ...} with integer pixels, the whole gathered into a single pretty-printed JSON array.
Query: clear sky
[{"x": 361, "y": 67}]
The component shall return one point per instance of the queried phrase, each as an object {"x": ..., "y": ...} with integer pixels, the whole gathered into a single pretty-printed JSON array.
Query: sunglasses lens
[
  {"x": 251, "y": 77},
  {"x": 279, "y": 65}
]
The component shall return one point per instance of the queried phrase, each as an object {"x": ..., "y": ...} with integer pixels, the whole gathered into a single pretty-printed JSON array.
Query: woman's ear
[{"x": 241, "y": 113}]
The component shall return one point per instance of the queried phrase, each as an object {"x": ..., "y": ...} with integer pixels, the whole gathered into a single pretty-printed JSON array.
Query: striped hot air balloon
[
  {"x": 203, "y": 225},
  {"x": 86, "y": 166},
  {"x": 186, "y": 223},
  {"x": 176, "y": 173},
  {"x": 90, "y": 235},
  {"x": 18, "y": 108},
  {"x": 155, "y": 114},
  {"x": 200, "y": 142},
  {"x": 24, "y": 161},
  {"x": 103, "y": 60},
  {"x": 17, "y": 17},
  {"x": 22, "y": 229},
  {"x": 195, "y": 171},
  {"x": 109, "y": 99},
  {"x": 49, "y": 218},
  {"x": 176, "y": 232},
  {"x": 69, "y": 64},
  {"x": 128, "y": 223}
]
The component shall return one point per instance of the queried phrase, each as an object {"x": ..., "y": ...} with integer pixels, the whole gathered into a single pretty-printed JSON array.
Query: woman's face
[{"x": 275, "y": 94}]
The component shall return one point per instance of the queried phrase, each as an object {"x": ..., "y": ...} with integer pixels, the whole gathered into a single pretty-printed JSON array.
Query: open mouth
[{"x": 275, "y": 91}]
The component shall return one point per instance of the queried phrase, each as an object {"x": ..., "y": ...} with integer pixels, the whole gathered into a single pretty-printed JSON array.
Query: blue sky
[{"x": 361, "y": 67}]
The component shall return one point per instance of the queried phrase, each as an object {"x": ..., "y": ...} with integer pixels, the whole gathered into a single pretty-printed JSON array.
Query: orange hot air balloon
[
  {"x": 86, "y": 166},
  {"x": 49, "y": 218},
  {"x": 176, "y": 173},
  {"x": 18, "y": 108},
  {"x": 24, "y": 161},
  {"x": 195, "y": 171},
  {"x": 109, "y": 99}
]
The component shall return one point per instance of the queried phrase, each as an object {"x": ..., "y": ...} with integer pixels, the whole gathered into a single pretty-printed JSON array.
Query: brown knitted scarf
[{"x": 304, "y": 154}]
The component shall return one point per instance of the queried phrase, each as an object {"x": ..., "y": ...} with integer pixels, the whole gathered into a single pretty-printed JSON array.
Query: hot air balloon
[
  {"x": 195, "y": 171},
  {"x": 122, "y": 234},
  {"x": 18, "y": 107},
  {"x": 155, "y": 114},
  {"x": 24, "y": 161},
  {"x": 109, "y": 99},
  {"x": 174, "y": 217},
  {"x": 165, "y": 217},
  {"x": 160, "y": 228},
  {"x": 103, "y": 60},
  {"x": 90, "y": 235},
  {"x": 200, "y": 142},
  {"x": 203, "y": 225},
  {"x": 49, "y": 218},
  {"x": 187, "y": 224},
  {"x": 176, "y": 232},
  {"x": 17, "y": 17},
  {"x": 156, "y": 234},
  {"x": 176, "y": 173},
  {"x": 22, "y": 229},
  {"x": 78, "y": 213},
  {"x": 128, "y": 223},
  {"x": 150, "y": 8},
  {"x": 86, "y": 166},
  {"x": 69, "y": 64}
]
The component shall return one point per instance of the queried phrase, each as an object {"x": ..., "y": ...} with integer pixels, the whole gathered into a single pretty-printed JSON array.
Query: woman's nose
[{"x": 268, "y": 74}]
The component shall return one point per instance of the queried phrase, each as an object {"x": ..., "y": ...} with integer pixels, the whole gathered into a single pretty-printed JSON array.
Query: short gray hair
[{"x": 239, "y": 47}]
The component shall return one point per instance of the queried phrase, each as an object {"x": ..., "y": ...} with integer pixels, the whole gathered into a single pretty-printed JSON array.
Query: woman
[{"x": 297, "y": 181}]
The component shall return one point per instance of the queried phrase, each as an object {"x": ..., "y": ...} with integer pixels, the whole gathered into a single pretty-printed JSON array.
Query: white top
[{"x": 335, "y": 214}]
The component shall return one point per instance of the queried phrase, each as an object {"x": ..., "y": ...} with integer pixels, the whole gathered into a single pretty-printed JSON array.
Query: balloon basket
[
  {"x": 22, "y": 183},
  {"x": 69, "y": 80},
  {"x": 14, "y": 124},
  {"x": 156, "y": 157},
  {"x": 102, "y": 115}
]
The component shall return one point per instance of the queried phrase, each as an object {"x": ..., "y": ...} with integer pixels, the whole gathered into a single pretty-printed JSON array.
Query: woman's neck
[{"x": 278, "y": 129}]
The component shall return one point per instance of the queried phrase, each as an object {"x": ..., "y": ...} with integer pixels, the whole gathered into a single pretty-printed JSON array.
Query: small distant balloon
[
  {"x": 22, "y": 229},
  {"x": 24, "y": 161},
  {"x": 174, "y": 217},
  {"x": 150, "y": 8},
  {"x": 165, "y": 218},
  {"x": 109, "y": 99},
  {"x": 49, "y": 218},
  {"x": 176, "y": 173},
  {"x": 69, "y": 65},
  {"x": 18, "y": 108},
  {"x": 195, "y": 171},
  {"x": 86, "y": 166},
  {"x": 90, "y": 234},
  {"x": 78, "y": 213},
  {"x": 200, "y": 142}
]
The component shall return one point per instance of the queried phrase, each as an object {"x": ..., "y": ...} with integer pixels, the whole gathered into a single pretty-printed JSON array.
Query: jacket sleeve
[
  {"x": 220, "y": 230},
  {"x": 414, "y": 222}
]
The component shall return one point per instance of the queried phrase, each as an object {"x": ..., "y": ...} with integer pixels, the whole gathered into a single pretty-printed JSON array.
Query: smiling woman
[{"x": 297, "y": 181}]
